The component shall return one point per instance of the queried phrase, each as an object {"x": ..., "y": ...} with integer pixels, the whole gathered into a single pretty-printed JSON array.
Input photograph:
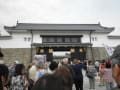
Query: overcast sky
[{"x": 61, "y": 11}]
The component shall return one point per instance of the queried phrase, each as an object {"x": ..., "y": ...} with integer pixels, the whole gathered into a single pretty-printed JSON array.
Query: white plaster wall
[
  {"x": 17, "y": 41},
  {"x": 85, "y": 38},
  {"x": 37, "y": 38},
  {"x": 102, "y": 38}
]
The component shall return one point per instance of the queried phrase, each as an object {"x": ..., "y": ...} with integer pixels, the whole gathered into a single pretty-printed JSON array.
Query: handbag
[{"x": 91, "y": 75}]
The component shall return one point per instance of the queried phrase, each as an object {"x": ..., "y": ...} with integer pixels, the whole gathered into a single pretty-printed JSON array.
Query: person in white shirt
[{"x": 40, "y": 70}]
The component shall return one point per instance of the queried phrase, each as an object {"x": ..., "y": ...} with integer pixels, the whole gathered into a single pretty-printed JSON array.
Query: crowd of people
[{"x": 61, "y": 76}]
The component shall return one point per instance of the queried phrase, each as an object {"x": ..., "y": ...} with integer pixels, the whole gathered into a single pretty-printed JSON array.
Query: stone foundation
[
  {"x": 23, "y": 55},
  {"x": 99, "y": 53}
]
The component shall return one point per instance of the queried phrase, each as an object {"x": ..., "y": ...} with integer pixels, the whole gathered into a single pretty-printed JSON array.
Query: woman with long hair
[
  {"x": 107, "y": 72},
  {"x": 19, "y": 81}
]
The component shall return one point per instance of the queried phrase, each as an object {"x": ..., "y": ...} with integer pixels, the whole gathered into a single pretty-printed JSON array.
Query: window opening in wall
[
  {"x": 51, "y": 39},
  {"x": 94, "y": 38},
  {"x": 59, "y": 39},
  {"x": 67, "y": 40},
  {"x": 29, "y": 38},
  {"x": 25, "y": 39}
]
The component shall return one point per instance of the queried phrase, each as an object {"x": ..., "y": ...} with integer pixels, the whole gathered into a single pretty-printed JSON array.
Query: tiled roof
[{"x": 35, "y": 26}]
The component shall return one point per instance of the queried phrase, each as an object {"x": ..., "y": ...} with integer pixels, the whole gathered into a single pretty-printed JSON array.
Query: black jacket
[{"x": 78, "y": 71}]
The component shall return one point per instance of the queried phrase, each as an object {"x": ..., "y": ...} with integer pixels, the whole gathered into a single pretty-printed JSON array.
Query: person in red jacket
[{"x": 102, "y": 67}]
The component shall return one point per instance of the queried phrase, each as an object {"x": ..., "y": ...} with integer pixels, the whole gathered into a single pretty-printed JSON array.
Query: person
[
  {"x": 4, "y": 72},
  {"x": 31, "y": 82},
  {"x": 108, "y": 75},
  {"x": 102, "y": 67},
  {"x": 65, "y": 62},
  {"x": 12, "y": 68},
  {"x": 40, "y": 70},
  {"x": 78, "y": 78},
  {"x": 91, "y": 69},
  {"x": 32, "y": 71},
  {"x": 97, "y": 65},
  {"x": 65, "y": 74},
  {"x": 52, "y": 67},
  {"x": 85, "y": 62},
  {"x": 49, "y": 82},
  {"x": 116, "y": 67},
  {"x": 1, "y": 57},
  {"x": 28, "y": 69},
  {"x": 19, "y": 81}
]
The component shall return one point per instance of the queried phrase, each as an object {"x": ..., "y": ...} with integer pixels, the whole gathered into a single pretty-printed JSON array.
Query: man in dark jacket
[
  {"x": 116, "y": 67},
  {"x": 78, "y": 78}
]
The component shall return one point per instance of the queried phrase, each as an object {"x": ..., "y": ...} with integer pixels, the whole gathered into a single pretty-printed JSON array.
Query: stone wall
[
  {"x": 23, "y": 54},
  {"x": 99, "y": 53}
]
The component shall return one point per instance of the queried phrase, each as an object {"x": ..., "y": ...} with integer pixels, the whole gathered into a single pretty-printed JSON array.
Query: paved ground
[{"x": 86, "y": 84}]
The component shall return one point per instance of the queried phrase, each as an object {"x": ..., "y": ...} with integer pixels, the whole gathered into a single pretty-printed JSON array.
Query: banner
[
  {"x": 40, "y": 58},
  {"x": 108, "y": 49}
]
